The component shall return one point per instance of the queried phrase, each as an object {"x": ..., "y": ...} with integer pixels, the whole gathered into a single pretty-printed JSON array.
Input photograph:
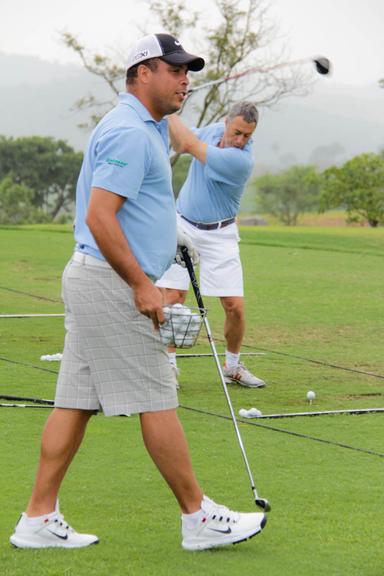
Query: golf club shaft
[
  {"x": 200, "y": 304},
  {"x": 253, "y": 70}
]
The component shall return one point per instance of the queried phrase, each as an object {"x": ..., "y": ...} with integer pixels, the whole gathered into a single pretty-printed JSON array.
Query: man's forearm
[{"x": 184, "y": 141}]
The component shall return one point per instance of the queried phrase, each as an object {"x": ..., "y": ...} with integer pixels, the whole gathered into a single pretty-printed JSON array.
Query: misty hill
[
  {"x": 329, "y": 126},
  {"x": 38, "y": 97}
]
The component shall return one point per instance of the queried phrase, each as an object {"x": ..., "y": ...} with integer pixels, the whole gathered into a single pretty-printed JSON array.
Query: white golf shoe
[
  {"x": 219, "y": 526},
  {"x": 51, "y": 532},
  {"x": 240, "y": 375}
]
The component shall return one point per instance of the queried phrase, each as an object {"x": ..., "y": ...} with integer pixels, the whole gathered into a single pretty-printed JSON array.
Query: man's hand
[
  {"x": 184, "y": 141},
  {"x": 184, "y": 240},
  {"x": 149, "y": 301}
]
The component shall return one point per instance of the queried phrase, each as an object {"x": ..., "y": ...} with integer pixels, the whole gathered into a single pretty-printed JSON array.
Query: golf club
[
  {"x": 322, "y": 66},
  {"x": 260, "y": 502},
  {"x": 24, "y": 406},
  {"x": 207, "y": 355},
  {"x": 27, "y": 399}
]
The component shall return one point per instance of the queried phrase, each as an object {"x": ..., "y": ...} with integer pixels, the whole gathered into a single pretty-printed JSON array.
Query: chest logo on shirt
[{"x": 116, "y": 162}]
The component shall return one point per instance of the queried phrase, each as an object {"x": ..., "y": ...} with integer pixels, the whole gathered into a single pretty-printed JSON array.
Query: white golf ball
[
  {"x": 311, "y": 395},
  {"x": 243, "y": 413},
  {"x": 196, "y": 321},
  {"x": 254, "y": 413}
]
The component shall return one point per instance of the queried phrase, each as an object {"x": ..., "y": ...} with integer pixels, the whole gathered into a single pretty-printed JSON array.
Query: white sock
[
  {"x": 190, "y": 521},
  {"x": 231, "y": 359},
  {"x": 172, "y": 358},
  {"x": 39, "y": 519}
]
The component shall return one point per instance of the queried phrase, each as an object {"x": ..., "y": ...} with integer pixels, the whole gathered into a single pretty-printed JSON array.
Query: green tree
[
  {"x": 46, "y": 166},
  {"x": 288, "y": 194},
  {"x": 16, "y": 205},
  {"x": 358, "y": 186}
]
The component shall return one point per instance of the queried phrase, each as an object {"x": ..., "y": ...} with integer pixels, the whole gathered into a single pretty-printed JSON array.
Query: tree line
[
  {"x": 38, "y": 178},
  {"x": 357, "y": 187}
]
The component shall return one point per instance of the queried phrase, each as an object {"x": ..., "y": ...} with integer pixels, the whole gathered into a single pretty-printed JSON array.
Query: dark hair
[
  {"x": 245, "y": 109},
  {"x": 151, "y": 63}
]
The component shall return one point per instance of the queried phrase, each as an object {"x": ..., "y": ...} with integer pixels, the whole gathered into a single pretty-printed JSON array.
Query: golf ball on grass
[
  {"x": 251, "y": 413},
  {"x": 311, "y": 396}
]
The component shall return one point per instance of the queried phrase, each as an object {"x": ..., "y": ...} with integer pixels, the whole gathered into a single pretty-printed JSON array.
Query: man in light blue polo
[
  {"x": 113, "y": 357},
  {"x": 207, "y": 205}
]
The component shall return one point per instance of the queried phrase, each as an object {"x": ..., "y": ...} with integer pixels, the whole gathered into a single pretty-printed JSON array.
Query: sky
[{"x": 349, "y": 32}]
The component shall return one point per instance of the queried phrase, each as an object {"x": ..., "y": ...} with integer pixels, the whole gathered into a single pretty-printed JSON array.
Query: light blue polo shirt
[
  {"x": 128, "y": 154},
  {"x": 212, "y": 191}
]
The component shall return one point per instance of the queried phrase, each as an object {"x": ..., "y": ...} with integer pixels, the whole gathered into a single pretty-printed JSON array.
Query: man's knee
[{"x": 233, "y": 306}]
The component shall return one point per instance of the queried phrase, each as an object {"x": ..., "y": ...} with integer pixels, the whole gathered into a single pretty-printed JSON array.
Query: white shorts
[{"x": 221, "y": 273}]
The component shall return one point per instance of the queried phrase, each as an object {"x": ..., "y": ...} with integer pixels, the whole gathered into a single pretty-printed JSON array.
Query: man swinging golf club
[{"x": 207, "y": 207}]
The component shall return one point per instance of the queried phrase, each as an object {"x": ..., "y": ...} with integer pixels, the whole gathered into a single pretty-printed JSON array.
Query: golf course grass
[{"x": 315, "y": 315}]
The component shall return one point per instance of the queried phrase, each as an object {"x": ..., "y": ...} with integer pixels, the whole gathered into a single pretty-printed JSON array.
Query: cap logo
[
  {"x": 141, "y": 55},
  {"x": 177, "y": 43}
]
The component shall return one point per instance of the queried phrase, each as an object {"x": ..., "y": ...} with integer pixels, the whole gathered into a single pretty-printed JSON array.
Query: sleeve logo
[{"x": 115, "y": 162}]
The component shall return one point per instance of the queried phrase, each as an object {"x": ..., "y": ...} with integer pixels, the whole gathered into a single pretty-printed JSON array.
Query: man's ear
[{"x": 143, "y": 73}]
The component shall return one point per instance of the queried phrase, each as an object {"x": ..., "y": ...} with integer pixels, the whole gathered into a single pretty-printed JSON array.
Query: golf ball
[
  {"x": 251, "y": 413},
  {"x": 254, "y": 413},
  {"x": 311, "y": 395}
]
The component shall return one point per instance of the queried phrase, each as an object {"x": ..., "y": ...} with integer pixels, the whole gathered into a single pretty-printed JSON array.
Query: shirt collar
[{"x": 133, "y": 102}]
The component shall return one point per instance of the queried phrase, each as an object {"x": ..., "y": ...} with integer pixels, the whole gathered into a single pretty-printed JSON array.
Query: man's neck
[{"x": 143, "y": 98}]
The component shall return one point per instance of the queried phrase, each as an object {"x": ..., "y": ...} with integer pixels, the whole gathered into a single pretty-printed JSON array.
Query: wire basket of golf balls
[{"x": 182, "y": 326}]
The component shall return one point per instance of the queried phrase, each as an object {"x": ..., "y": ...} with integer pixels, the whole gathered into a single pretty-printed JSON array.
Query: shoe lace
[
  {"x": 239, "y": 371},
  {"x": 59, "y": 520},
  {"x": 243, "y": 369},
  {"x": 219, "y": 512}
]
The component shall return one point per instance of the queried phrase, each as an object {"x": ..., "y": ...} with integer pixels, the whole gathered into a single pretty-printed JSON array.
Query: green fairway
[{"x": 315, "y": 309}]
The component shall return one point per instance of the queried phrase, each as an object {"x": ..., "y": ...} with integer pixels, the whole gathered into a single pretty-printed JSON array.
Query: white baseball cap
[{"x": 166, "y": 47}]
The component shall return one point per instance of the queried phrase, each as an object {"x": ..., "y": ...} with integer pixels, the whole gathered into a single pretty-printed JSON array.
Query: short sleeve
[
  {"x": 228, "y": 165},
  {"x": 122, "y": 159}
]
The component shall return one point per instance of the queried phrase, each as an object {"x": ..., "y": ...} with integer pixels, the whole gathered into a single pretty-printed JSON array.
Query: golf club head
[
  {"x": 323, "y": 65},
  {"x": 263, "y": 503}
]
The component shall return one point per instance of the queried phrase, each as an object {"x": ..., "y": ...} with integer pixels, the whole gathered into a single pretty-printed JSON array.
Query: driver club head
[
  {"x": 263, "y": 503},
  {"x": 322, "y": 64}
]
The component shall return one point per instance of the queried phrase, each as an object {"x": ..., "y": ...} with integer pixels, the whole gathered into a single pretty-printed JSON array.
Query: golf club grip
[{"x": 192, "y": 275}]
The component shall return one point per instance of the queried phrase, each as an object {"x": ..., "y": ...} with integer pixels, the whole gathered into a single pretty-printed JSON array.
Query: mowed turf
[{"x": 314, "y": 301}]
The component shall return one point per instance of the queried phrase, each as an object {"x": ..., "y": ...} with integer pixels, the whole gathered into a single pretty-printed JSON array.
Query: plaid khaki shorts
[{"x": 113, "y": 358}]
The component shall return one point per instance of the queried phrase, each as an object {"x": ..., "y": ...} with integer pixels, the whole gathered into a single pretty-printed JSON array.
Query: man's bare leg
[
  {"x": 165, "y": 441},
  {"x": 234, "y": 326},
  {"x": 62, "y": 436},
  {"x": 234, "y": 329}
]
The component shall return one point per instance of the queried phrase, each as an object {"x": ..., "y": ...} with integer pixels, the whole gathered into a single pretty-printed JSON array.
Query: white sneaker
[
  {"x": 220, "y": 526},
  {"x": 53, "y": 531},
  {"x": 240, "y": 375}
]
